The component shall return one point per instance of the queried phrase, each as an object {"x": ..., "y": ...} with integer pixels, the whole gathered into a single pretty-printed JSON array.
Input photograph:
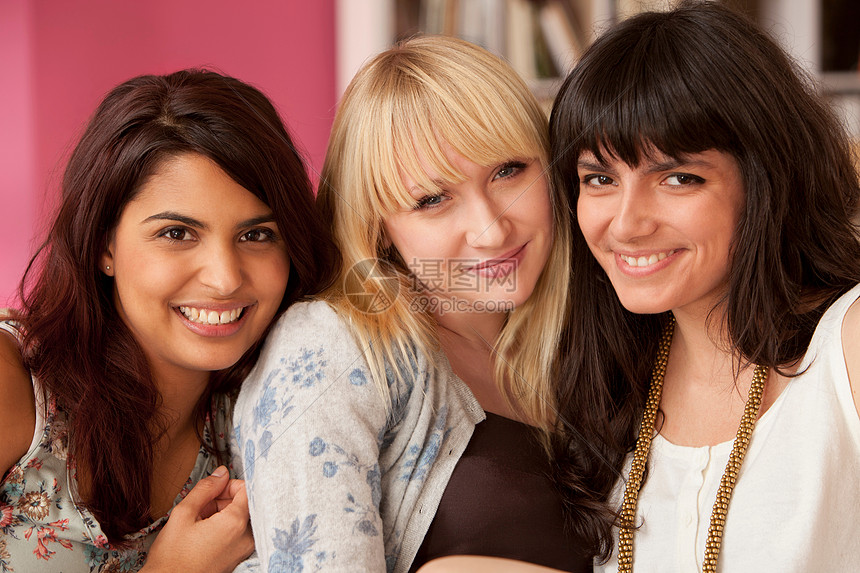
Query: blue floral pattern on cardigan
[{"x": 337, "y": 473}]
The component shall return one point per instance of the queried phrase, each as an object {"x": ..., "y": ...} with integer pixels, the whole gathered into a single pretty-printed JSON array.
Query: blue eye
[
  {"x": 430, "y": 201},
  {"x": 510, "y": 169}
]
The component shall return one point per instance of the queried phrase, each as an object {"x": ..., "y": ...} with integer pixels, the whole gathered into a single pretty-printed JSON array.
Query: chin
[
  {"x": 219, "y": 363},
  {"x": 509, "y": 300},
  {"x": 642, "y": 305}
]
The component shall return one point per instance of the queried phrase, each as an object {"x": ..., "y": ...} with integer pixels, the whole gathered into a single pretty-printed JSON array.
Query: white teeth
[
  {"x": 203, "y": 316},
  {"x": 645, "y": 261}
]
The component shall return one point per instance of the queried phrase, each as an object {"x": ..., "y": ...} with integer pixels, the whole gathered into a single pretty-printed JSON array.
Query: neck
[
  {"x": 179, "y": 397},
  {"x": 704, "y": 393},
  {"x": 701, "y": 343},
  {"x": 479, "y": 329},
  {"x": 468, "y": 341}
]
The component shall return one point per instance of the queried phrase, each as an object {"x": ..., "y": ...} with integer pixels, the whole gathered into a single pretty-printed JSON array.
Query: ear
[{"x": 106, "y": 262}]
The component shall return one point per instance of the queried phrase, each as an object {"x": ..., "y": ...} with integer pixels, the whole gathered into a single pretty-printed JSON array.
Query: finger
[
  {"x": 200, "y": 501},
  {"x": 231, "y": 489},
  {"x": 237, "y": 507},
  {"x": 229, "y": 493},
  {"x": 235, "y": 485}
]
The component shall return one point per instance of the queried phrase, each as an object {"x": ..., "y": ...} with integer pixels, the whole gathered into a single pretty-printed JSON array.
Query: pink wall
[
  {"x": 18, "y": 187},
  {"x": 59, "y": 58}
]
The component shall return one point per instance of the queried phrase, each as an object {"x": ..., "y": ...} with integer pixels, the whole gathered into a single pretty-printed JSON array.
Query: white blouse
[{"x": 796, "y": 505}]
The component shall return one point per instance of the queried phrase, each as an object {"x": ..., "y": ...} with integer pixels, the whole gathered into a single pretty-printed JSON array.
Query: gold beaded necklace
[{"x": 643, "y": 446}]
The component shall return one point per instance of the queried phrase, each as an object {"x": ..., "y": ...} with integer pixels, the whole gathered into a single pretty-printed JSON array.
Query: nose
[
  {"x": 634, "y": 215},
  {"x": 221, "y": 269},
  {"x": 487, "y": 222}
]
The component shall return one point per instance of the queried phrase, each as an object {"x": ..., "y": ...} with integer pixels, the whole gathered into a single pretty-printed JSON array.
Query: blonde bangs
[{"x": 421, "y": 109}]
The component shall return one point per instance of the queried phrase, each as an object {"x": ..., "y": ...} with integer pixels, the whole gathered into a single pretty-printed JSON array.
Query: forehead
[{"x": 194, "y": 184}]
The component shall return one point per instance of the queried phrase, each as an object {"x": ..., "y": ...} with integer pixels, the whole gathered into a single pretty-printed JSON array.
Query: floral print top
[
  {"x": 337, "y": 481},
  {"x": 42, "y": 527}
]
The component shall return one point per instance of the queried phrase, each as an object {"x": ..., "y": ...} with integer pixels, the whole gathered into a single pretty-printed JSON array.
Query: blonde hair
[{"x": 409, "y": 102}]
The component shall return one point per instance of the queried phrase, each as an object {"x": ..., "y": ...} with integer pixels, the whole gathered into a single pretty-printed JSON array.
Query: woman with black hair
[{"x": 714, "y": 289}]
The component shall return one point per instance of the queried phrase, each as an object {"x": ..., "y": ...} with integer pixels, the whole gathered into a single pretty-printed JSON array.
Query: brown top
[{"x": 501, "y": 502}]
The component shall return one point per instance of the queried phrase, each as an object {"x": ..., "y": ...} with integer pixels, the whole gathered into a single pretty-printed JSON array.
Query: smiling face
[
  {"x": 662, "y": 231},
  {"x": 483, "y": 241},
  {"x": 199, "y": 268}
]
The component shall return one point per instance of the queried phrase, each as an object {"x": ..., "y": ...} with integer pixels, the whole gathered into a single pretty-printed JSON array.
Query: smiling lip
[
  {"x": 644, "y": 263},
  {"x": 213, "y": 320},
  {"x": 500, "y": 266},
  {"x": 506, "y": 258}
]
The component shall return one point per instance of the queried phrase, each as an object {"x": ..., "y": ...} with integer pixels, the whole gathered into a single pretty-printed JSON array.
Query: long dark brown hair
[
  {"x": 74, "y": 341},
  {"x": 696, "y": 78}
]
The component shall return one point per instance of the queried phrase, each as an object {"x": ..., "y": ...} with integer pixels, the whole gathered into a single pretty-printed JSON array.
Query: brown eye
[
  {"x": 176, "y": 234},
  {"x": 258, "y": 236},
  {"x": 683, "y": 179},
  {"x": 598, "y": 180}
]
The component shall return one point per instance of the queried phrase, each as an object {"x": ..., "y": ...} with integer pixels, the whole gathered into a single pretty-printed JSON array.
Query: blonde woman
[{"x": 402, "y": 419}]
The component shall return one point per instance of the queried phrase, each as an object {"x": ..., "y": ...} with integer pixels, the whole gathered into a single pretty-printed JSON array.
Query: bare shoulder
[
  {"x": 851, "y": 349},
  {"x": 17, "y": 404}
]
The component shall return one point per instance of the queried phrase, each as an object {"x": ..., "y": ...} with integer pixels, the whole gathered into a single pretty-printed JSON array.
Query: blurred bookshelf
[{"x": 542, "y": 39}]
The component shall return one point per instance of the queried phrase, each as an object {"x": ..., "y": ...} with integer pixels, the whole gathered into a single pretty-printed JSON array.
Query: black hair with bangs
[{"x": 697, "y": 78}]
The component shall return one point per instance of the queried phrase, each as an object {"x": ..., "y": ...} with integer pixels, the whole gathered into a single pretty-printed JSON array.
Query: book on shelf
[
  {"x": 561, "y": 32},
  {"x": 541, "y": 38}
]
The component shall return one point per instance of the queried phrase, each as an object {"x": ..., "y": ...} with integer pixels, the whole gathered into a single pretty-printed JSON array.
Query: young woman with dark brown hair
[{"x": 186, "y": 226}]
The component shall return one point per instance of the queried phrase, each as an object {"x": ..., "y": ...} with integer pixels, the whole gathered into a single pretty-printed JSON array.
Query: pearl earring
[{"x": 107, "y": 267}]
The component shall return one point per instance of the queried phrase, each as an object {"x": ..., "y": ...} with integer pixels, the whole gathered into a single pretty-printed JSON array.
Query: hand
[{"x": 209, "y": 531}]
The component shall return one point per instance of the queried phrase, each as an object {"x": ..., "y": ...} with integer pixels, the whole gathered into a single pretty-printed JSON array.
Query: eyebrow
[
  {"x": 192, "y": 222},
  {"x": 658, "y": 167},
  {"x": 590, "y": 166}
]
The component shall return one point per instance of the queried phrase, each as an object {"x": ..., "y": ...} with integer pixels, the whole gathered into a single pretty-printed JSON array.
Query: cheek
[
  {"x": 544, "y": 217},
  {"x": 589, "y": 221},
  {"x": 715, "y": 226},
  {"x": 271, "y": 275},
  {"x": 145, "y": 288},
  {"x": 396, "y": 233},
  {"x": 412, "y": 240},
  {"x": 142, "y": 273},
  {"x": 536, "y": 206}
]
